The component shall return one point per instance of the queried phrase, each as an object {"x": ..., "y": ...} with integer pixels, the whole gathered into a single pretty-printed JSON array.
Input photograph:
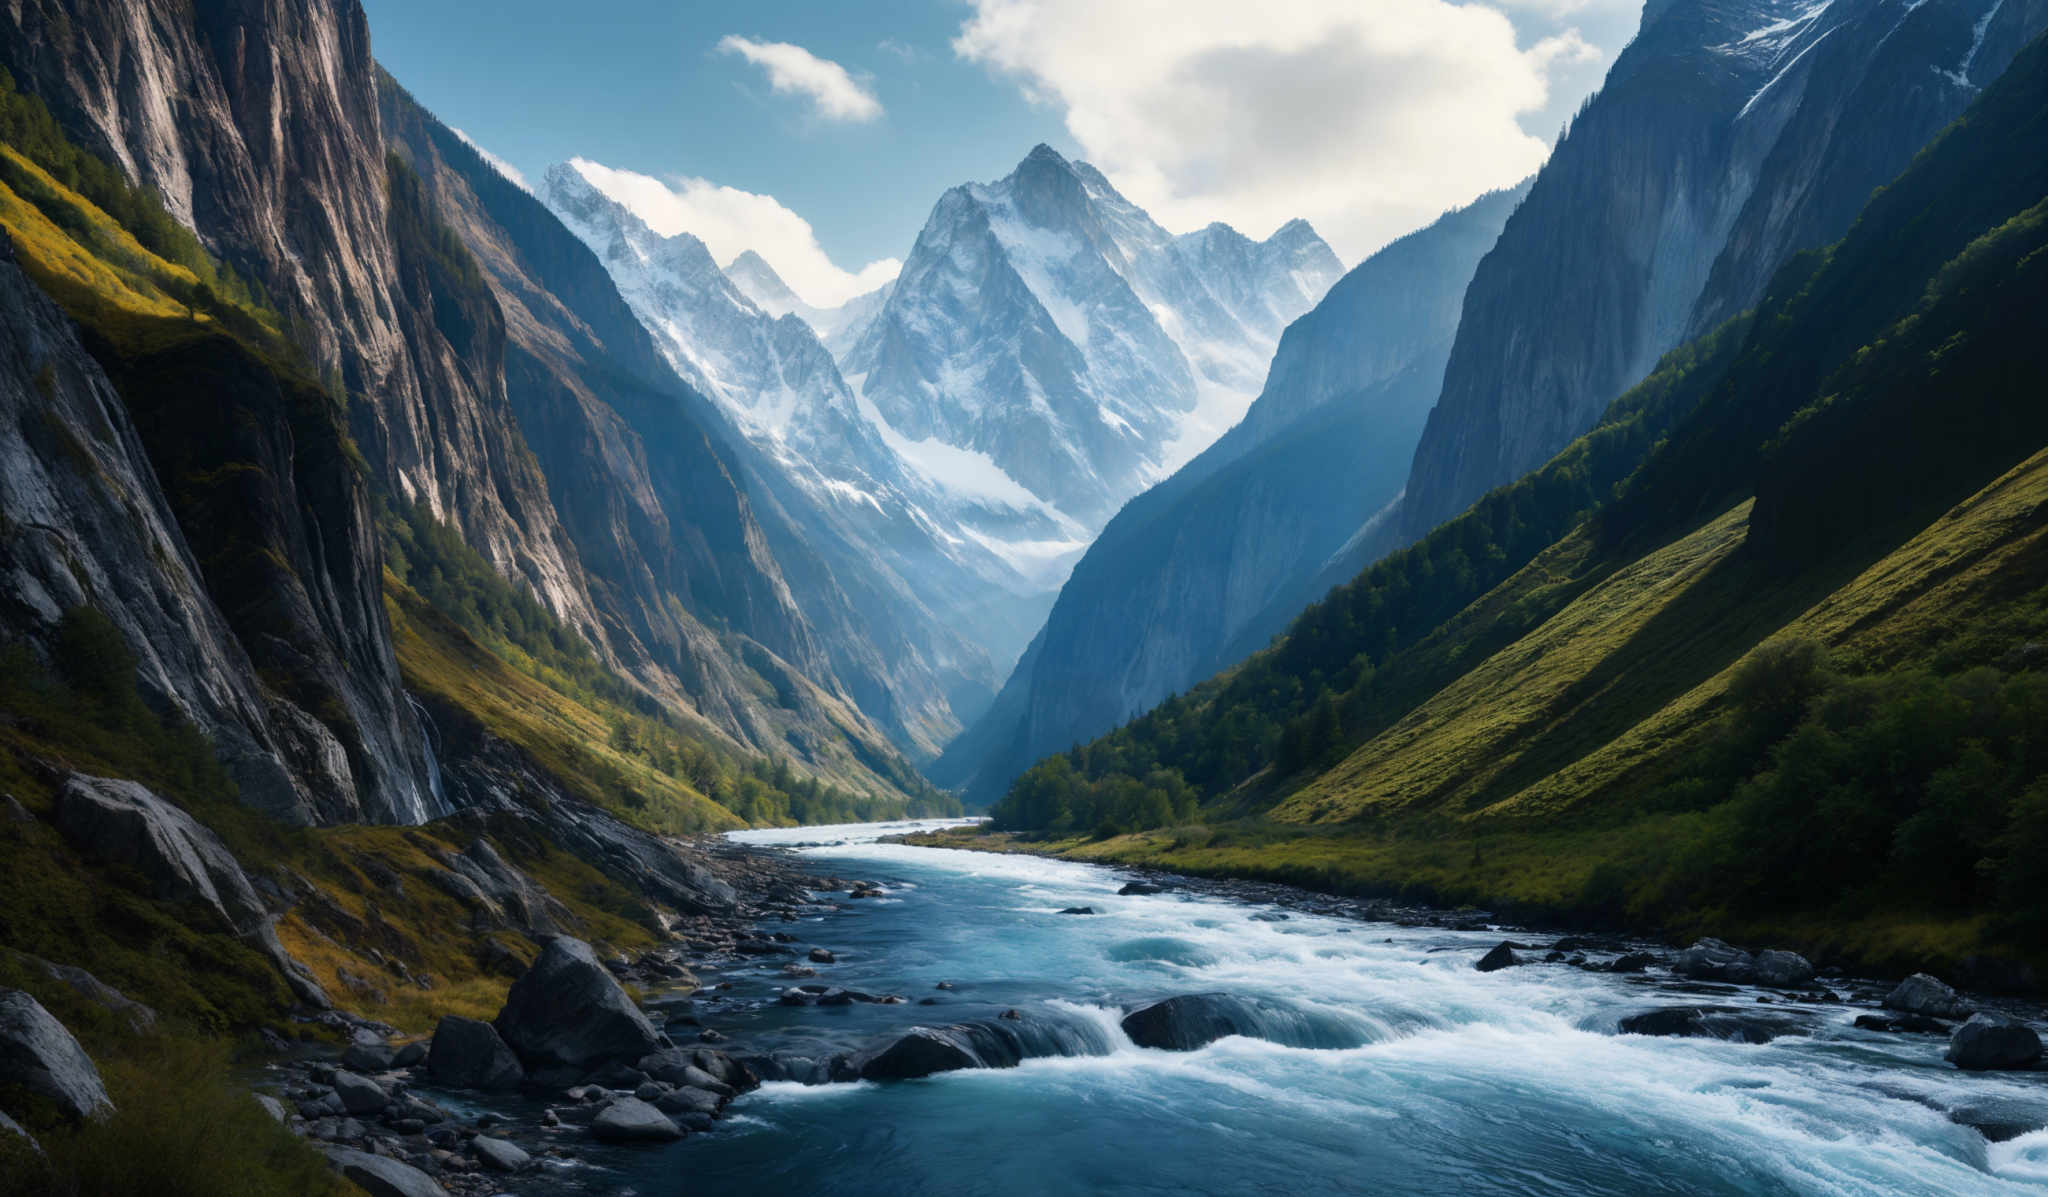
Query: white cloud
[
  {"x": 832, "y": 91},
  {"x": 496, "y": 163},
  {"x": 730, "y": 221},
  {"x": 1369, "y": 119}
]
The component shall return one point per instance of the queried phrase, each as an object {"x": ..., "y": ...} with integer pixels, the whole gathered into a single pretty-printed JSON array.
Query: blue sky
[{"x": 1366, "y": 116}]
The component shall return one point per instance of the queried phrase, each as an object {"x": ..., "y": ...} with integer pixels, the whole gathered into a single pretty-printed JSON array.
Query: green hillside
[{"x": 1756, "y": 652}]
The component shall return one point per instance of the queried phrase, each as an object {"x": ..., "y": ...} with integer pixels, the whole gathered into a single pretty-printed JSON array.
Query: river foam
[{"x": 1460, "y": 1081}]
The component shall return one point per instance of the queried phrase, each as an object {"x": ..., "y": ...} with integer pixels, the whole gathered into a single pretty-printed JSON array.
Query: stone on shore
[
  {"x": 499, "y": 1155},
  {"x": 1994, "y": 1043},
  {"x": 630, "y": 1120},
  {"x": 381, "y": 1176},
  {"x": 468, "y": 1054},
  {"x": 360, "y": 1094},
  {"x": 39, "y": 1055},
  {"x": 568, "y": 1012},
  {"x": 368, "y": 1057}
]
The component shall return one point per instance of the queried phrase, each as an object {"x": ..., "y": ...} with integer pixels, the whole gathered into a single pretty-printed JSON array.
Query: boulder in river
[
  {"x": 1713, "y": 960},
  {"x": 1993, "y": 1042},
  {"x": 381, "y": 1176},
  {"x": 1140, "y": 888},
  {"x": 1918, "y": 1024},
  {"x": 1711, "y": 1022},
  {"x": 2002, "y": 1118},
  {"x": 630, "y": 1120},
  {"x": 1782, "y": 970},
  {"x": 1502, "y": 955},
  {"x": 1923, "y": 994},
  {"x": 468, "y": 1054},
  {"x": 822, "y": 956},
  {"x": 39, "y": 1055},
  {"x": 568, "y": 1012},
  {"x": 918, "y": 1052},
  {"x": 1191, "y": 1021},
  {"x": 1000, "y": 1042},
  {"x": 1078, "y": 910}
]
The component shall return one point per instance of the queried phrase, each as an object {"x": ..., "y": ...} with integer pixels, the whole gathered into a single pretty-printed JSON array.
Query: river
[{"x": 1513, "y": 1082}]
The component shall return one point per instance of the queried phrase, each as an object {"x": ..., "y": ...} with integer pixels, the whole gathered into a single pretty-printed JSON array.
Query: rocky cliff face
[
  {"x": 1727, "y": 137},
  {"x": 1209, "y": 564},
  {"x": 257, "y": 122},
  {"x": 258, "y": 125},
  {"x": 86, "y": 523},
  {"x": 664, "y": 500}
]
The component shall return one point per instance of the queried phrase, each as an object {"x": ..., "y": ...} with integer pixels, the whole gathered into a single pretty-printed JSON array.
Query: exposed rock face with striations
[
  {"x": 1207, "y": 566},
  {"x": 710, "y": 591},
  {"x": 257, "y": 122},
  {"x": 1727, "y": 137},
  {"x": 92, "y": 527}
]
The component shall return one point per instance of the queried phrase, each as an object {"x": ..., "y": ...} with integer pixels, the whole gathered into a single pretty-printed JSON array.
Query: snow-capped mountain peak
[{"x": 1047, "y": 321}]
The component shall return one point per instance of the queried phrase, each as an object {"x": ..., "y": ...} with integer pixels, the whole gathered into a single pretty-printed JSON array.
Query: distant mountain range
[
  {"x": 1047, "y": 351},
  {"x": 1727, "y": 138}
]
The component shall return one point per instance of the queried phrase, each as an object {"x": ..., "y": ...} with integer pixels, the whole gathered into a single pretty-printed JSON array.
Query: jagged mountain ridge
[
  {"x": 774, "y": 378},
  {"x": 836, "y": 327},
  {"x": 1205, "y": 567},
  {"x": 1726, "y": 137},
  {"x": 1031, "y": 321}
]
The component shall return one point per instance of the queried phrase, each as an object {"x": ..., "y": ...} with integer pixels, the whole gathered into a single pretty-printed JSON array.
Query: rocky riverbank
[{"x": 587, "y": 1053}]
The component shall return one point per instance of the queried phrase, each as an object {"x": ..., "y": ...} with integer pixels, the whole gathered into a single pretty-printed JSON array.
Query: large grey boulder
[
  {"x": 1993, "y": 1042},
  {"x": 360, "y": 1094},
  {"x": 568, "y": 1012},
  {"x": 1713, "y": 960},
  {"x": 468, "y": 1054},
  {"x": 1782, "y": 970},
  {"x": 1922, "y": 994},
  {"x": 921, "y": 1052},
  {"x": 630, "y": 1120},
  {"x": 124, "y": 823},
  {"x": 369, "y": 1057},
  {"x": 39, "y": 1055},
  {"x": 1502, "y": 955},
  {"x": 380, "y": 1176},
  {"x": 680, "y": 1102},
  {"x": 499, "y": 1155},
  {"x": 1182, "y": 1024}
]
